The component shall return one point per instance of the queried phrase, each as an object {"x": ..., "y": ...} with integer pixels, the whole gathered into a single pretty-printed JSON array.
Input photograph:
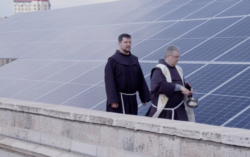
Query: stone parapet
[{"x": 102, "y": 134}]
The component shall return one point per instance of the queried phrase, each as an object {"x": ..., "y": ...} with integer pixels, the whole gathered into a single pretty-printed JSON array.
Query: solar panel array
[{"x": 61, "y": 54}]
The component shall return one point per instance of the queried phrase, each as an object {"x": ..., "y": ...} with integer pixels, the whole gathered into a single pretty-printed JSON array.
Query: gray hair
[{"x": 171, "y": 49}]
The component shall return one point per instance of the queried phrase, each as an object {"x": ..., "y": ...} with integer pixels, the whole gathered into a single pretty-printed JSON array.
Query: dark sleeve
[
  {"x": 110, "y": 84},
  {"x": 143, "y": 88},
  {"x": 159, "y": 84}
]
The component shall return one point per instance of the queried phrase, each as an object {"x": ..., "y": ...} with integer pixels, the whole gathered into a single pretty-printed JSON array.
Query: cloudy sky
[{"x": 6, "y": 6}]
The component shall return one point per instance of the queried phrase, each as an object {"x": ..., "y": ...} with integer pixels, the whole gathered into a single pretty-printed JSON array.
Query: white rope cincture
[
  {"x": 123, "y": 108},
  {"x": 170, "y": 109}
]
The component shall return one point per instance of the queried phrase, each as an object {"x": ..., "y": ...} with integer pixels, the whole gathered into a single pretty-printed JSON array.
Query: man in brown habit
[
  {"x": 168, "y": 92},
  {"x": 123, "y": 78}
]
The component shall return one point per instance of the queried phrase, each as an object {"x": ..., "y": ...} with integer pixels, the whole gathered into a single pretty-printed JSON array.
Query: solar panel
[
  {"x": 237, "y": 54},
  {"x": 211, "y": 49},
  {"x": 240, "y": 8},
  {"x": 182, "y": 12},
  {"x": 205, "y": 30},
  {"x": 62, "y": 93},
  {"x": 212, "y": 76},
  {"x": 185, "y": 45},
  {"x": 61, "y": 54},
  {"x": 213, "y": 9},
  {"x": 220, "y": 109},
  {"x": 242, "y": 121},
  {"x": 238, "y": 86}
]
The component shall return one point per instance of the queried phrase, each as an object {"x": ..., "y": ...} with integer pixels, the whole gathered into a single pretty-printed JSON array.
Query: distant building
[
  {"x": 23, "y": 6},
  {"x": 5, "y": 61}
]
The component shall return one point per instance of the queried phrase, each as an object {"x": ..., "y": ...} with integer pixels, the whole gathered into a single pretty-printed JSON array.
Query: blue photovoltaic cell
[
  {"x": 27, "y": 69},
  {"x": 212, "y": 9},
  {"x": 216, "y": 110},
  {"x": 238, "y": 54},
  {"x": 211, "y": 49},
  {"x": 183, "y": 44},
  {"x": 66, "y": 49},
  {"x": 99, "y": 33},
  {"x": 39, "y": 33},
  {"x": 176, "y": 2},
  {"x": 42, "y": 51},
  {"x": 49, "y": 70},
  {"x": 20, "y": 53},
  {"x": 238, "y": 86},
  {"x": 5, "y": 82},
  {"x": 131, "y": 16},
  {"x": 128, "y": 28},
  {"x": 241, "y": 8},
  {"x": 108, "y": 51},
  {"x": 89, "y": 98},
  {"x": 189, "y": 68},
  {"x": 19, "y": 38},
  {"x": 205, "y": 31},
  {"x": 74, "y": 71},
  {"x": 178, "y": 29},
  {"x": 12, "y": 49},
  {"x": 62, "y": 93},
  {"x": 211, "y": 76},
  {"x": 10, "y": 36},
  {"x": 107, "y": 18},
  {"x": 200, "y": 1},
  {"x": 149, "y": 46},
  {"x": 237, "y": 30},
  {"x": 3, "y": 47},
  {"x": 55, "y": 35},
  {"x": 77, "y": 33},
  {"x": 241, "y": 121},
  {"x": 89, "y": 49},
  {"x": 150, "y": 29},
  {"x": 92, "y": 77},
  {"x": 147, "y": 67},
  {"x": 14, "y": 66},
  {"x": 182, "y": 12},
  {"x": 155, "y": 3},
  {"x": 101, "y": 106},
  {"x": 155, "y": 14},
  {"x": 68, "y": 22},
  {"x": 35, "y": 91},
  {"x": 135, "y": 5},
  {"x": 15, "y": 87}
]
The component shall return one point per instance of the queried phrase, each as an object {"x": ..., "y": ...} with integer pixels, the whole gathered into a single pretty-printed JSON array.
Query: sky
[{"x": 6, "y": 6}]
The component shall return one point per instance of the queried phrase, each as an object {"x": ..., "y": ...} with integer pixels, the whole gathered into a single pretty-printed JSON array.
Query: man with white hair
[{"x": 168, "y": 92}]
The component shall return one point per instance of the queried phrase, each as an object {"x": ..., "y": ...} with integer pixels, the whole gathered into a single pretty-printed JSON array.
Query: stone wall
[{"x": 36, "y": 129}]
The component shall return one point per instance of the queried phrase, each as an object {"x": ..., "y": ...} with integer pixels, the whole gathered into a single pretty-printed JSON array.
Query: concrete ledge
[
  {"x": 105, "y": 134},
  {"x": 33, "y": 150}
]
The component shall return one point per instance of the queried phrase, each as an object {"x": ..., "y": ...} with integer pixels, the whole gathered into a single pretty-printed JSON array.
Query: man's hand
[
  {"x": 192, "y": 91},
  {"x": 185, "y": 91},
  {"x": 114, "y": 105}
]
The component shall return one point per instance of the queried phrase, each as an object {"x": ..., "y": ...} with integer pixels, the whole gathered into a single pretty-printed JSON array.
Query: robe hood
[
  {"x": 123, "y": 59},
  {"x": 162, "y": 61}
]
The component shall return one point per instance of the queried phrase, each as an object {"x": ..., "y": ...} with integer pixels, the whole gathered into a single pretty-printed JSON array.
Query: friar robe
[
  {"x": 123, "y": 74},
  {"x": 159, "y": 85}
]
